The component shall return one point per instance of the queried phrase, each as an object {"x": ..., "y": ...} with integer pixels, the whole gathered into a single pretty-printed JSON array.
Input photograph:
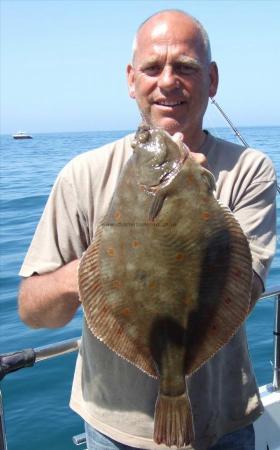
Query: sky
[{"x": 63, "y": 62}]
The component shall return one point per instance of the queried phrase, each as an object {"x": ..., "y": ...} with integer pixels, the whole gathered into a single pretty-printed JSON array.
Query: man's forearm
[{"x": 50, "y": 300}]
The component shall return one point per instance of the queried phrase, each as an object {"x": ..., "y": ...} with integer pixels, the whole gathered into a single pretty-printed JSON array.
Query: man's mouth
[{"x": 169, "y": 103}]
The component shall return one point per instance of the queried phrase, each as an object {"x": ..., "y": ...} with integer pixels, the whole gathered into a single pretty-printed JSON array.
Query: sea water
[{"x": 36, "y": 399}]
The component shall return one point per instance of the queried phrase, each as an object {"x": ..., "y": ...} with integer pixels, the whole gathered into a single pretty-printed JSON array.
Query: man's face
[{"x": 171, "y": 78}]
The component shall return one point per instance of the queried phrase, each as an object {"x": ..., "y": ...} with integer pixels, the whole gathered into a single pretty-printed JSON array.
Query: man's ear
[
  {"x": 214, "y": 79},
  {"x": 130, "y": 80}
]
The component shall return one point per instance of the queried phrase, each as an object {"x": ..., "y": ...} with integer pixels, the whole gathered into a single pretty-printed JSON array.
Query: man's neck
[{"x": 195, "y": 141}]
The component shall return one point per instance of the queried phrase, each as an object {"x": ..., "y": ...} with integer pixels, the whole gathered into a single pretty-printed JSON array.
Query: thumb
[{"x": 200, "y": 158}]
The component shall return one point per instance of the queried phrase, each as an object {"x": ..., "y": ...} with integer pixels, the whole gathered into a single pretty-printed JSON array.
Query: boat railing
[{"x": 11, "y": 362}]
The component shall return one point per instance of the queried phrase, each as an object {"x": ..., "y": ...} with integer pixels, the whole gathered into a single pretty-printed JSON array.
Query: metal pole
[
  {"x": 271, "y": 292},
  {"x": 276, "y": 332},
  {"x": 234, "y": 129},
  {"x": 3, "y": 440},
  {"x": 57, "y": 349},
  {"x": 10, "y": 362},
  {"x": 241, "y": 138}
]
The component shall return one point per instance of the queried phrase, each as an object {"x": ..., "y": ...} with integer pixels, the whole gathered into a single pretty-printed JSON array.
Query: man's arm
[
  {"x": 256, "y": 291},
  {"x": 50, "y": 300}
]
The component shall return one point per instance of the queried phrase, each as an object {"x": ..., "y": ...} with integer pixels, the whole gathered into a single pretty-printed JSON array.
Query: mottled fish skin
[{"x": 166, "y": 282}]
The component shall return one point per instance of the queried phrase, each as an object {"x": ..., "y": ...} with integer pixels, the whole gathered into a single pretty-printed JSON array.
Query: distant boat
[{"x": 22, "y": 135}]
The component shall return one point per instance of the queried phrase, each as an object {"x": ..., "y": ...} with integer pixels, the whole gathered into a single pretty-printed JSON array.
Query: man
[{"x": 171, "y": 78}]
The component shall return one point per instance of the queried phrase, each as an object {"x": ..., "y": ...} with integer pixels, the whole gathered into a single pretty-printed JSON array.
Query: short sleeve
[
  {"x": 61, "y": 235},
  {"x": 255, "y": 209}
]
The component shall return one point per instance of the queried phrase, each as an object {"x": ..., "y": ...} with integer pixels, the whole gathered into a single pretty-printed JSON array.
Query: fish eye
[
  {"x": 144, "y": 137},
  {"x": 143, "y": 134}
]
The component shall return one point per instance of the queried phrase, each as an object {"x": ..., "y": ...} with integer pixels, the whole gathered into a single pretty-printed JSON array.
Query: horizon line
[{"x": 132, "y": 130}]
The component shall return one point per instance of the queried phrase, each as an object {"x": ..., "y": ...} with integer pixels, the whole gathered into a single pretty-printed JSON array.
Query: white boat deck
[{"x": 267, "y": 427}]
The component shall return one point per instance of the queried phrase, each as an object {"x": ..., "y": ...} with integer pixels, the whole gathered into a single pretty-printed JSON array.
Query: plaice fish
[{"x": 166, "y": 282}]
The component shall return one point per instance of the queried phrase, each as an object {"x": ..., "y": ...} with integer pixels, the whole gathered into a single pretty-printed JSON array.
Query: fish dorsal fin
[
  {"x": 234, "y": 305},
  {"x": 209, "y": 178},
  {"x": 100, "y": 320}
]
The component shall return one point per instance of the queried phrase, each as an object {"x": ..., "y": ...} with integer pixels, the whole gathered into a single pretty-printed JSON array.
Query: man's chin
[{"x": 167, "y": 124}]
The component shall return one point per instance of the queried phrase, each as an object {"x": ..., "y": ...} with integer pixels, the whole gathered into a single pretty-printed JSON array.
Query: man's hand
[
  {"x": 200, "y": 158},
  {"x": 50, "y": 300}
]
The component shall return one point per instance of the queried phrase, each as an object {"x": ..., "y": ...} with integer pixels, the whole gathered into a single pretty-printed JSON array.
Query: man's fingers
[{"x": 200, "y": 158}]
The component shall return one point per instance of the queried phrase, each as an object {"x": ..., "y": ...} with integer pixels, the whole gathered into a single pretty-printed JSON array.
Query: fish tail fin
[{"x": 173, "y": 421}]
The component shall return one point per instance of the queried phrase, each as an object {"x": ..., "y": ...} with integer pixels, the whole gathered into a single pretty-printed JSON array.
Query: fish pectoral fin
[{"x": 156, "y": 206}]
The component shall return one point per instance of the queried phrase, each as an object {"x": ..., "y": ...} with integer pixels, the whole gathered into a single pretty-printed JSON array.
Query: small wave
[{"x": 22, "y": 203}]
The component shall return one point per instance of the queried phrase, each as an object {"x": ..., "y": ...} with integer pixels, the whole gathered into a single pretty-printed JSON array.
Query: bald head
[
  {"x": 172, "y": 75},
  {"x": 160, "y": 21}
]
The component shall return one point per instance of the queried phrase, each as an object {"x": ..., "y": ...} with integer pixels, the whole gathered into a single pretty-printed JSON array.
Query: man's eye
[
  {"x": 152, "y": 70},
  {"x": 183, "y": 69}
]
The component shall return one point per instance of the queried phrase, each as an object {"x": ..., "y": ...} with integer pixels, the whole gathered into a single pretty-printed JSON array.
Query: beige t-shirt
[{"x": 109, "y": 393}]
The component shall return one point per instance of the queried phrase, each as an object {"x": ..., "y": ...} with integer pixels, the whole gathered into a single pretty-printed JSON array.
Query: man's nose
[{"x": 167, "y": 78}]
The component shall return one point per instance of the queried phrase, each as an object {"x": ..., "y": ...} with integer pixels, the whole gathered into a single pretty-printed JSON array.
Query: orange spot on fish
[
  {"x": 135, "y": 244},
  {"x": 152, "y": 285},
  {"x": 116, "y": 284},
  {"x": 205, "y": 215},
  {"x": 190, "y": 179},
  {"x": 126, "y": 312},
  {"x": 189, "y": 301},
  {"x": 237, "y": 273},
  {"x": 111, "y": 251},
  {"x": 204, "y": 199},
  {"x": 104, "y": 309},
  {"x": 117, "y": 216},
  {"x": 179, "y": 256}
]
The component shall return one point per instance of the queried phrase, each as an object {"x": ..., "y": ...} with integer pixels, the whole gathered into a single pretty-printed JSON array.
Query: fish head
[{"x": 157, "y": 155}]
